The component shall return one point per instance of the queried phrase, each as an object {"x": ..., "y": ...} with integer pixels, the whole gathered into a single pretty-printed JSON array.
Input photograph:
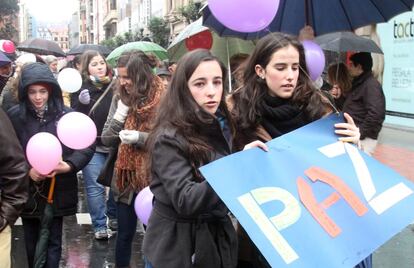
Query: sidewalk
[{"x": 396, "y": 150}]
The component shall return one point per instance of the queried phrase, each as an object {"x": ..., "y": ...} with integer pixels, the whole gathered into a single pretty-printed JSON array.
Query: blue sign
[{"x": 312, "y": 201}]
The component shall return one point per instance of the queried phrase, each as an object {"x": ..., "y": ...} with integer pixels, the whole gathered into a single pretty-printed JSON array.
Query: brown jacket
[{"x": 14, "y": 182}]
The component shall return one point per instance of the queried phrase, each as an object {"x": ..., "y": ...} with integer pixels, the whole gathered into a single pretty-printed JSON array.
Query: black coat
[
  {"x": 189, "y": 220},
  {"x": 26, "y": 124},
  {"x": 366, "y": 104},
  {"x": 100, "y": 113}
]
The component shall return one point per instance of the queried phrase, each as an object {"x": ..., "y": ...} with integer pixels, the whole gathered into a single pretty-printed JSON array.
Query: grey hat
[{"x": 162, "y": 71}]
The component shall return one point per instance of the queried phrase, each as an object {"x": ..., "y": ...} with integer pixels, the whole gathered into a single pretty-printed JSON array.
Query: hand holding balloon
[
  {"x": 61, "y": 168},
  {"x": 36, "y": 176}
]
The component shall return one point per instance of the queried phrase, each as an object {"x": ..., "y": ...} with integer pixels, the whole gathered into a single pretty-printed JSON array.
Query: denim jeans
[
  {"x": 127, "y": 225},
  {"x": 95, "y": 192},
  {"x": 31, "y": 229},
  {"x": 147, "y": 264}
]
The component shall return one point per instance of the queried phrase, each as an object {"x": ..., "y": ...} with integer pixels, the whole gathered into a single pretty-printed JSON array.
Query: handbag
[{"x": 107, "y": 171}]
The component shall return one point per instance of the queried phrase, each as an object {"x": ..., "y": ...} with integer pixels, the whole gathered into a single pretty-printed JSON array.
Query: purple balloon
[
  {"x": 315, "y": 59},
  {"x": 143, "y": 205},
  {"x": 244, "y": 15}
]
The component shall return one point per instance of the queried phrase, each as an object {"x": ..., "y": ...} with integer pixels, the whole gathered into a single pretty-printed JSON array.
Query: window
[{"x": 113, "y": 4}]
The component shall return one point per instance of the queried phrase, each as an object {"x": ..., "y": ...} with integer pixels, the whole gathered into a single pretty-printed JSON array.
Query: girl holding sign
[
  {"x": 277, "y": 97},
  {"x": 189, "y": 225}
]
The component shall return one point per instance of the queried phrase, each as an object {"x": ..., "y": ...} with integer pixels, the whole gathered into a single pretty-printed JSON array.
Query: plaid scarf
[{"x": 131, "y": 163}]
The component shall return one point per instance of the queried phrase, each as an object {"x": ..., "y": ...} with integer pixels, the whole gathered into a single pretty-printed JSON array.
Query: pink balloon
[
  {"x": 8, "y": 46},
  {"x": 44, "y": 152},
  {"x": 315, "y": 59},
  {"x": 143, "y": 205},
  {"x": 76, "y": 130},
  {"x": 244, "y": 15}
]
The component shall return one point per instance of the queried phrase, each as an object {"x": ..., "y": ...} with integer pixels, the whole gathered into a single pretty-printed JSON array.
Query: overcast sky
[{"x": 52, "y": 10}]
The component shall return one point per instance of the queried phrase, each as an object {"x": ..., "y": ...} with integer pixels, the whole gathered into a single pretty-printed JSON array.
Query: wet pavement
[{"x": 80, "y": 249}]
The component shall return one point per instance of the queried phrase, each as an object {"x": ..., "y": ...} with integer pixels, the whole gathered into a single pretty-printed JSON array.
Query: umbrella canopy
[
  {"x": 222, "y": 47},
  {"x": 325, "y": 16},
  {"x": 42, "y": 47},
  {"x": 147, "y": 47},
  {"x": 79, "y": 49},
  {"x": 347, "y": 41}
]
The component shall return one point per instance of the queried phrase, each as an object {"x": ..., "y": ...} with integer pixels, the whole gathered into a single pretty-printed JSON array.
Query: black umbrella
[
  {"x": 40, "y": 256},
  {"x": 347, "y": 41},
  {"x": 325, "y": 16},
  {"x": 79, "y": 49},
  {"x": 42, "y": 47}
]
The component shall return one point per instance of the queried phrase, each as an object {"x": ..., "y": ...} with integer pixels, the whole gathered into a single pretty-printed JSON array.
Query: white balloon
[
  {"x": 26, "y": 58},
  {"x": 70, "y": 80}
]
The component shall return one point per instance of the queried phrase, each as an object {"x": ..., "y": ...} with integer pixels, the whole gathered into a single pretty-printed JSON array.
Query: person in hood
[{"x": 39, "y": 110}]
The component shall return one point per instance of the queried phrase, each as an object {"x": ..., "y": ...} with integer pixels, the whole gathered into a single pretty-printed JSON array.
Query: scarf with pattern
[
  {"x": 131, "y": 164},
  {"x": 100, "y": 82}
]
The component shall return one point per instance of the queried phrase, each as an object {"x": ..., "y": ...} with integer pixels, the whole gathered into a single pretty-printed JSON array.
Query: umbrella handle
[{"x": 51, "y": 190}]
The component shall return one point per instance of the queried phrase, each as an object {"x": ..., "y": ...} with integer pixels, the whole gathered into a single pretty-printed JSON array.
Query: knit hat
[{"x": 4, "y": 60}]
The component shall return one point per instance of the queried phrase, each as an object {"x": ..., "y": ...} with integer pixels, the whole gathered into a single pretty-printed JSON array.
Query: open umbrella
[
  {"x": 347, "y": 41},
  {"x": 79, "y": 49},
  {"x": 40, "y": 256},
  {"x": 222, "y": 47},
  {"x": 325, "y": 16},
  {"x": 41, "y": 46},
  {"x": 147, "y": 47}
]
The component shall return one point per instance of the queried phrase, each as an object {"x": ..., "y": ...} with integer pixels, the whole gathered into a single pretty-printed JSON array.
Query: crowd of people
[{"x": 157, "y": 125}]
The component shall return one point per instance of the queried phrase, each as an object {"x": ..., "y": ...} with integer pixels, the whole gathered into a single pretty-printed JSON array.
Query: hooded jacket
[{"x": 27, "y": 123}]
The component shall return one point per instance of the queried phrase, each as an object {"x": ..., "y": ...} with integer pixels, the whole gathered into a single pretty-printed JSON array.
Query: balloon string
[{"x": 109, "y": 136}]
